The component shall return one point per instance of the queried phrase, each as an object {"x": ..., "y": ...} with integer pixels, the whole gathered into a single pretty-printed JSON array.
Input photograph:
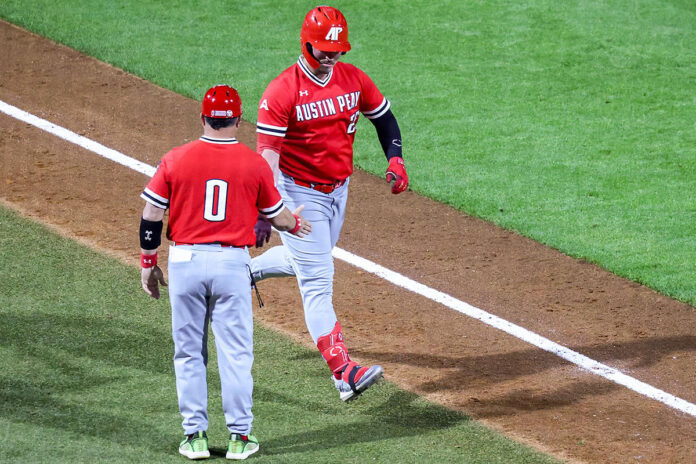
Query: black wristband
[{"x": 150, "y": 234}]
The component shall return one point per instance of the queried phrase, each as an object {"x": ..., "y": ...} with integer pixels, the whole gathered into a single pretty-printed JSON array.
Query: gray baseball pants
[{"x": 210, "y": 285}]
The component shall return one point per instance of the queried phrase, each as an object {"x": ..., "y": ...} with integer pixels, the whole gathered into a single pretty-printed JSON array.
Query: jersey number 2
[
  {"x": 215, "y": 200},
  {"x": 353, "y": 122}
]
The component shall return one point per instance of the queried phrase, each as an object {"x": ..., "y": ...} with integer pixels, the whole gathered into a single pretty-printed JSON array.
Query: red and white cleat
[{"x": 355, "y": 379}]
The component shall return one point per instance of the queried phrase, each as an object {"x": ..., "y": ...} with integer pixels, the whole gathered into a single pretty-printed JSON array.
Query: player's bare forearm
[
  {"x": 272, "y": 157},
  {"x": 284, "y": 221},
  {"x": 151, "y": 277},
  {"x": 152, "y": 213}
]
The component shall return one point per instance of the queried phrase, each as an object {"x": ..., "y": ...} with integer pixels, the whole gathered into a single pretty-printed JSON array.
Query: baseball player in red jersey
[
  {"x": 214, "y": 188},
  {"x": 306, "y": 127}
]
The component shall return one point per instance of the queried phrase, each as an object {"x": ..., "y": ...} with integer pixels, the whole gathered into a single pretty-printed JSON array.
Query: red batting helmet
[
  {"x": 326, "y": 29},
  {"x": 222, "y": 101}
]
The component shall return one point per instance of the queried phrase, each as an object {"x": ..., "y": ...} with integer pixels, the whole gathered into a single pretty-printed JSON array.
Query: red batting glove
[{"x": 396, "y": 173}]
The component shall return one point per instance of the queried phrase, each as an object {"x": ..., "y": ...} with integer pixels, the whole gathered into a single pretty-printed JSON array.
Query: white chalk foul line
[
  {"x": 399, "y": 280},
  {"x": 77, "y": 139},
  {"x": 519, "y": 332}
]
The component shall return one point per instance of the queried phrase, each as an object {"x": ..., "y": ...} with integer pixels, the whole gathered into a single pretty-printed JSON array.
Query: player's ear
[{"x": 202, "y": 120}]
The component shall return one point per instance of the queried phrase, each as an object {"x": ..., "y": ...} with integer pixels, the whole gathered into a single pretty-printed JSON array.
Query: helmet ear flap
[{"x": 307, "y": 51}]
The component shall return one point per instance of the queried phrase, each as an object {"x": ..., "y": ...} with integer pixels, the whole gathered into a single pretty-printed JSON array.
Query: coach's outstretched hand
[
  {"x": 396, "y": 174},
  {"x": 151, "y": 278},
  {"x": 303, "y": 227}
]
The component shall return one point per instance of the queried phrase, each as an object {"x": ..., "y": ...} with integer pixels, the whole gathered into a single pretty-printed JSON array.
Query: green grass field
[
  {"x": 87, "y": 376},
  {"x": 569, "y": 122}
]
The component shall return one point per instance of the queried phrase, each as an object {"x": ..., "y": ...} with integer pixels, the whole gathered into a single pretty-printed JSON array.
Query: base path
[{"x": 529, "y": 394}]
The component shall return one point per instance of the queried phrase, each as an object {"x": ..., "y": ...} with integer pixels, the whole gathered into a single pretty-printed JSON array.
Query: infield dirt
[{"x": 426, "y": 348}]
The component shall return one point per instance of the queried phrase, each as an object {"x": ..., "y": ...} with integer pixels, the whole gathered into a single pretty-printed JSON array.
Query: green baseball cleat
[
  {"x": 241, "y": 446},
  {"x": 195, "y": 446}
]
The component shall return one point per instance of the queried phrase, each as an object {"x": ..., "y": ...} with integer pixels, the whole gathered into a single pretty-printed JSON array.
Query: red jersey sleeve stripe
[
  {"x": 379, "y": 111},
  {"x": 271, "y": 130},
  {"x": 273, "y": 211},
  {"x": 151, "y": 197}
]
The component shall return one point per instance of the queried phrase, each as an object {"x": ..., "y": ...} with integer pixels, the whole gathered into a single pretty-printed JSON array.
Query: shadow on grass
[
  {"x": 63, "y": 390},
  {"x": 114, "y": 341},
  {"x": 403, "y": 414},
  {"x": 31, "y": 402},
  {"x": 68, "y": 361}
]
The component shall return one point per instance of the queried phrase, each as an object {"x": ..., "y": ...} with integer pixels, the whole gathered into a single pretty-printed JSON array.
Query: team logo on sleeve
[{"x": 264, "y": 105}]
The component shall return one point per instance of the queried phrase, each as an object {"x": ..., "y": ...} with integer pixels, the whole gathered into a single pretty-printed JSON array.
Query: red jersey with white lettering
[
  {"x": 311, "y": 122},
  {"x": 214, "y": 190}
]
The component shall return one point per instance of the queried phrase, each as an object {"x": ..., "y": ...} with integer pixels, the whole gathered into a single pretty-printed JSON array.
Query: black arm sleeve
[
  {"x": 389, "y": 134},
  {"x": 150, "y": 234}
]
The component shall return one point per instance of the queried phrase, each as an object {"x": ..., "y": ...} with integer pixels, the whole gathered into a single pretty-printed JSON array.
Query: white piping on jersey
[
  {"x": 154, "y": 199},
  {"x": 231, "y": 141},
  {"x": 315, "y": 79},
  {"x": 267, "y": 129},
  {"x": 379, "y": 111},
  {"x": 273, "y": 211}
]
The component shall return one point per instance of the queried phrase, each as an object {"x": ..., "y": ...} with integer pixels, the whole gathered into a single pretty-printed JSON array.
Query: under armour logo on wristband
[
  {"x": 147, "y": 261},
  {"x": 148, "y": 235}
]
